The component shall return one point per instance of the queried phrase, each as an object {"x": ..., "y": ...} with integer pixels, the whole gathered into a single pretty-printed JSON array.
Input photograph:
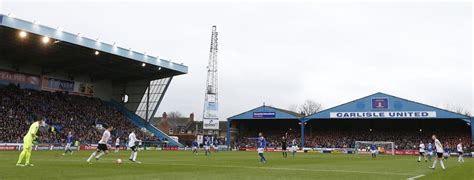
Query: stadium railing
[{"x": 141, "y": 123}]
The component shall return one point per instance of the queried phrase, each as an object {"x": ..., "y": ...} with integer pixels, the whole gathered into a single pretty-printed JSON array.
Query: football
[{"x": 118, "y": 161}]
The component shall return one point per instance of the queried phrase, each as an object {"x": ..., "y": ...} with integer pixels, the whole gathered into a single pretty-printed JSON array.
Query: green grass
[{"x": 226, "y": 166}]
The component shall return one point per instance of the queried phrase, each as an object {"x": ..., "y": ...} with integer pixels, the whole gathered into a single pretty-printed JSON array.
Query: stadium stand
[
  {"x": 76, "y": 81},
  {"x": 378, "y": 117},
  {"x": 345, "y": 139},
  {"x": 78, "y": 114}
]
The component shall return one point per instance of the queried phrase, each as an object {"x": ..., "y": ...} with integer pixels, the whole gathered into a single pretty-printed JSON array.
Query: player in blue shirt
[
  {"x": 373, "y": 150},
  {"x": 430, "y": 151},
  {"x": 109, "y": 143},
  {"x": 207, "y": 145},
  {"x": 69, "y": 141},
  {"x": 446, "y": 153},
  {"x": 194, "y": 147},
  {"x": 261, "y": 144},
  {"x": 216, "y": 145}
]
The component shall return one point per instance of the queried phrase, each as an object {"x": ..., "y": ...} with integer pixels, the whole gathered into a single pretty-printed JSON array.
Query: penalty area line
[{"x": 415, "y": 177}]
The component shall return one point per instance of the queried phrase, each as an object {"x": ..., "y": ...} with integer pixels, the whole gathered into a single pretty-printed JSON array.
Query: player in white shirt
[
  {"x": 421, "y": 150},
  {"x": 117, "y": 144},
  {"x": 294, "y": 146},
  {"x": 439, "y": 152},
  {"x": 133, "y": 145},
  {"x": 102, "y": 145},
  {"x": 460, "y": 150}
]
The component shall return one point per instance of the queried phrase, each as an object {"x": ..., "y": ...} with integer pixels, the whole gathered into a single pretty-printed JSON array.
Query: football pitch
[{"x": 228, "y": 165}]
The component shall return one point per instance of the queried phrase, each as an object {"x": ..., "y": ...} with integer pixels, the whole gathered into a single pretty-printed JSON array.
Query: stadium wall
[{"x": 138, "y": 121}]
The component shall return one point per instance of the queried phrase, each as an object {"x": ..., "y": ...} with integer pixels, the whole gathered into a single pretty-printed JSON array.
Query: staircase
[{"x": 141, "y": 123}]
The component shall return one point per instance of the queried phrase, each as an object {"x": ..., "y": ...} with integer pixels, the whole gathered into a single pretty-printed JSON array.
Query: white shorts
[
  {"x": 68, "y": 146},
  {"x": 260, "y": 150},
  {"x": 293, "y": 149},
  {"x": 430, "y": 153},
  {"x": 194, "y": 148},
  {"x": 373, "y": 151},
  {"x": 206, "y": 147}
]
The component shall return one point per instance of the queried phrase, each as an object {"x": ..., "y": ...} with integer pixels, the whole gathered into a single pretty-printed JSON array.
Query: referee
[{"x": 284, "y": 146}]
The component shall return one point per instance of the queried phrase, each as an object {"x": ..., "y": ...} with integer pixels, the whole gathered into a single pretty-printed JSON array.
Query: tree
[
  {"x": 310, "y": 107},
  {"x": 293, "y": 107},
  {"x": 458, "y": 109},
  {"x": 174, "y": 115}
]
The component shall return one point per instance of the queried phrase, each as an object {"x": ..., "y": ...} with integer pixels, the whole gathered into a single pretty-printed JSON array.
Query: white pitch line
[
  {"x": 245, "y": 167},
  {"x": 290, "y": 169},
  {"x": 415, "y": 177}
]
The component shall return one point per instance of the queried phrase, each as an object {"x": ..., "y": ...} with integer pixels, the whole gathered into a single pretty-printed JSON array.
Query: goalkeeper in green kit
[{"x": 28, "y": 141}]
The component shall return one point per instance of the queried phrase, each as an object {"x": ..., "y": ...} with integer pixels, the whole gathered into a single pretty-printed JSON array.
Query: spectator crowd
[
  {"x": 80, "y": 114},
  {"x": 67, "y": 113},
  {"x": 403, "y": 140}
]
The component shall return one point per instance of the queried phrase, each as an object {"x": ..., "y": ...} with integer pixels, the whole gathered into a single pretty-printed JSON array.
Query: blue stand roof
[
  {"x": 385, "y": 106},
  {"x": 266, "y": 112}
]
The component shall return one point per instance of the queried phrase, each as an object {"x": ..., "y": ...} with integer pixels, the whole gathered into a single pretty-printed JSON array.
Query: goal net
[{"x": 363, "y": 147}]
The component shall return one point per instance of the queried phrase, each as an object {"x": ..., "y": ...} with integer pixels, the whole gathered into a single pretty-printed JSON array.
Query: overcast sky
[{"x": 285, "y": 53}]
